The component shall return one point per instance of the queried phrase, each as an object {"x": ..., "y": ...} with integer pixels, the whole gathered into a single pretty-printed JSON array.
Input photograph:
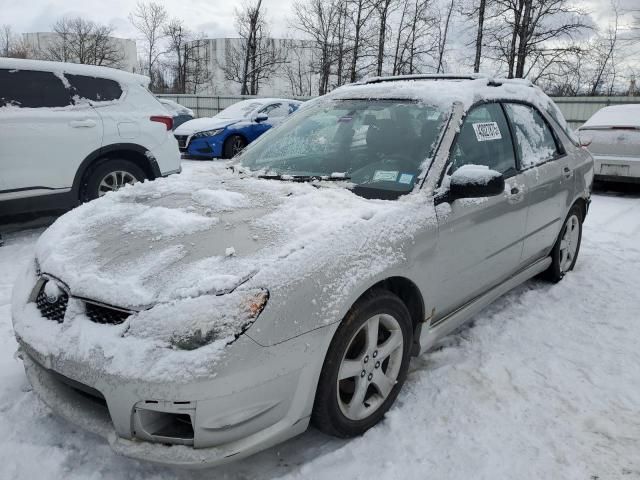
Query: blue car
[{"x": 226, "y": 134}]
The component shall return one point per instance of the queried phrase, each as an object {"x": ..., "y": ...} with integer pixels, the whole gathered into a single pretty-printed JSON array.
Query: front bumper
[
  {"x": 609, "y": 168},
  {"x": 203, "y": 147},
  {"x": 248, "y": 399},
  {"x": 227, "y": 427}
]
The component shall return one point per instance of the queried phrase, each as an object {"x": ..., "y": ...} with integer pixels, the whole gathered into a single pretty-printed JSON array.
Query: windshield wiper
[{"x": 306, "y": 178}]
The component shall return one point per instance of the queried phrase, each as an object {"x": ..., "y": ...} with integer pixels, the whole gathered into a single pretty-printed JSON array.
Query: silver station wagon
[{"x": 203, "y": 317}]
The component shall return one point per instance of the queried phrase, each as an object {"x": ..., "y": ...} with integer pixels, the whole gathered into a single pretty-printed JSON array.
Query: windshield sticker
[
  {"x": 405, "y": 178},
  {"x": 385, "y": 176},
  {"x": 487, "y": 131}
]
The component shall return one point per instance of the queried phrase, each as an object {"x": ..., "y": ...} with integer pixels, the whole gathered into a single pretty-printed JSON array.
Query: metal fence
[{"x": 575, "y": 109}]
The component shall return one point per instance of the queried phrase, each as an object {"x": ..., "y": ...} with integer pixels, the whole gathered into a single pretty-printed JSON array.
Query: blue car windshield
[{"x": 375, "y": 144}]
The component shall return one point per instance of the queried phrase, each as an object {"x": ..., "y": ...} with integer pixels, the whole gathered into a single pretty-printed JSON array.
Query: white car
[
  {"x": 70, "y": 133},
  {"x": 612, "y": 136}
]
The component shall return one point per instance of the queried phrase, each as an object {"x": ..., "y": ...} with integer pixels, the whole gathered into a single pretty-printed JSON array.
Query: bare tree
[
  {"x": 83, "y": 41},
  {"x": 316, "y": 18},
  {"x": 256, "y": 57},
  {"x": 443, "y": 31},
  {"x": 603, "y": 54},
  {"x": 299, "y": 69},
  {"x": 415, "y": 39},
  {"x": 149, "y": 19},
  {"x": 383, "y": 9},
  {"x": 359, "y": 11}
]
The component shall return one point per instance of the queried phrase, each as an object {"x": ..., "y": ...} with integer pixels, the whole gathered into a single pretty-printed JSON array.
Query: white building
[
  {"x": 41, "y": 41},
  {"x": 293, "y": 76}
]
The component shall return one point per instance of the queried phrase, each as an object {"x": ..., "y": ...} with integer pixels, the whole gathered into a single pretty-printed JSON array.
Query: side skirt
[{"x": 455, "y": 319}]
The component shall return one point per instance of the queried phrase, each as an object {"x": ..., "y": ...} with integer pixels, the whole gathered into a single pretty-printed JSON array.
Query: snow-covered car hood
[
  {"x": 202, "y": 124},
  {"x": 182, "y": 237}
]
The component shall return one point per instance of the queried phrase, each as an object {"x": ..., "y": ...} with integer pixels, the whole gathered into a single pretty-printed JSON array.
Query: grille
[
  {"x": 100, "y": 314},
  {"x": 182, "y": 141},
  {"x": 52, "y": 310}
]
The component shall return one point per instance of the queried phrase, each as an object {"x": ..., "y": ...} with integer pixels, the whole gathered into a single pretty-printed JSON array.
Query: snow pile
[{"x": 219, "y": 200}]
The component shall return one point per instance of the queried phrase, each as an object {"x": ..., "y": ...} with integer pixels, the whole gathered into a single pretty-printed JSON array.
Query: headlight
[
  {"x": 208, "y": 133},
  {"x": 195, "y": 322}
]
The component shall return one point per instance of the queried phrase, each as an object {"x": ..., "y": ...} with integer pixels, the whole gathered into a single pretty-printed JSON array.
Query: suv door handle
[
  {"x": 88, "y": 123},
  {"x": 568, "y": 173}
]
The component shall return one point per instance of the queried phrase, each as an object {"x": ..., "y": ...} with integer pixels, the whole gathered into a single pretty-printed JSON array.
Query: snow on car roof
[
  {"x": 615, "y": 116},
  {"x": 443, "y": 90},
  {"x": 74, "y": 69}
]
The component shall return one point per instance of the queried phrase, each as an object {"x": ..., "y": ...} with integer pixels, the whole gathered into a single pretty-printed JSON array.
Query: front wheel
[
  {"x": 567, "y": 246},
  {"x": 365, "y": 366}
]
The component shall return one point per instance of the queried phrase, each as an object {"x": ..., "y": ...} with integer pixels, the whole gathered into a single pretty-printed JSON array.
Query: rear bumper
[{"x": 609, "y": 168}]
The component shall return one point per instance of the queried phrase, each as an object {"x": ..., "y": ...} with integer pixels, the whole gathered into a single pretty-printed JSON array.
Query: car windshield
[
  {"x": 239, "y": 110},
  {"x": 378, "y": 145}
]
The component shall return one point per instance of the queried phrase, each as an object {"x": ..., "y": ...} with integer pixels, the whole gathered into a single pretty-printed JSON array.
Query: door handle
[
  {"x": 515, "y": 191},
  {"x": 87, "y": 123},
  {"x": 568, "y": 173}
]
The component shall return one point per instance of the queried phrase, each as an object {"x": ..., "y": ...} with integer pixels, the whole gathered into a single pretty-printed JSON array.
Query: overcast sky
[{"x": 213, "y": 17}]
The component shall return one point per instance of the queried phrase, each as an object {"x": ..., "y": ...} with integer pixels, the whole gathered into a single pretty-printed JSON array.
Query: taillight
[{"x": 168, "y": 121}]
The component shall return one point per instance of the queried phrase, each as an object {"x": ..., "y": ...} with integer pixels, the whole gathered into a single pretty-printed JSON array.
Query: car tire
[
  {"x": 110, "y": 175},
  {"x": 233, "y": 145},
  {"x": 565, "y": 251},
  {"x": 373, "y": 372}
]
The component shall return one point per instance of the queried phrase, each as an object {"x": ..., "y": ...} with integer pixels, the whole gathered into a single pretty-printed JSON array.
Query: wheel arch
[
  {"x": 126, "y": 151},
  {"x": 583, "y": 205},
  {"x": 411, "y": 296}
]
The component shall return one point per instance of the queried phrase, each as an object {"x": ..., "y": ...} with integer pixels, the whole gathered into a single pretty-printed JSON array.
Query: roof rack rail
[{"x": 427, "y": 76}]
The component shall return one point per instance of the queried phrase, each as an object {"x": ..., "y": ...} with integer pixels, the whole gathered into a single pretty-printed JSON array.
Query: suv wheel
[
  {"x": 365, "y": 366},
  {"x": 110, "y": 176},
  {"x": 233, "y": 146},
  {"x": 565, "y": 251}
]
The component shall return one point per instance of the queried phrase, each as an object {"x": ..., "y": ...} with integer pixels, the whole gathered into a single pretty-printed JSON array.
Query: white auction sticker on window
[
  {"x": 385, "y": 175},
  {"x": 487, "y": 131}
]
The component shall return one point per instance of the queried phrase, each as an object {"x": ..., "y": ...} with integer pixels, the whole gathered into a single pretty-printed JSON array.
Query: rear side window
[
  {"x": 92, "y": 88},
  {"x": 484, "y": 139},
  {"x": 534, "y": 141},
  {"x": 32, "y": 89}
]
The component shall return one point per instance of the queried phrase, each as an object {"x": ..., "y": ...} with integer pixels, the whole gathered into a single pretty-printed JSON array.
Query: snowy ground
[{"x": 545, "y": 384}]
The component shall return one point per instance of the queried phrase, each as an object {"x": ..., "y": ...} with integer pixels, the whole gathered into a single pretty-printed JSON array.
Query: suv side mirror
[
  {"x": 261, "y": 117},
  {"x": 473, "y": 181}
]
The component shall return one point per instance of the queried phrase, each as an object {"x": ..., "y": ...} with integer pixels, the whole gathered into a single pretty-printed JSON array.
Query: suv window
[
  {"x": 534, "y": 140},
  {"x": 93, "y": 88},
  {"x": 484, "y": 139},
  {"x": 32, "y": 89}
]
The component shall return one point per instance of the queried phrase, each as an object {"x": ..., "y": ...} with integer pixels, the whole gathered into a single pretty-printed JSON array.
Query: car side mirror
[
  {"x": 473, "y": 181},
  {"x": 261, "y": 117}
]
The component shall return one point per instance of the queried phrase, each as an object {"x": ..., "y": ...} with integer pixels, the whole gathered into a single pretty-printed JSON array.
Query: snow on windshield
[{"x": 379, "y": 144}]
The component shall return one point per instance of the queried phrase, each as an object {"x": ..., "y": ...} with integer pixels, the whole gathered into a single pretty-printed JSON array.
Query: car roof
[
  {"x": 615, "y": 116},
  {"x": 445, "y": 89},
  {"x": 119, "y": 76}
]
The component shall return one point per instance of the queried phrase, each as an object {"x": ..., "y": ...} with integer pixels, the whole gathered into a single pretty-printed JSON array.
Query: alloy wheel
[
  {"x": 370, "y": 367},
  {"x": 569, "y": 243},
  {"x": 113, "y": 181}
]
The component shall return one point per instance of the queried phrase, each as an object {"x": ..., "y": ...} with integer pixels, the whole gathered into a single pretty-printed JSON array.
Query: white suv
[{"x": 70, "y": 133}]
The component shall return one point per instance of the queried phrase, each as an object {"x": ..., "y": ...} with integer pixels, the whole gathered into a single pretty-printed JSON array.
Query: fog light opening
[{"x": 166, "y": 426}]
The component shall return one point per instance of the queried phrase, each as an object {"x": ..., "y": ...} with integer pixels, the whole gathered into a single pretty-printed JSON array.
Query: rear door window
[
  {"x": 535, "y": 142},
  {"x": 484, "y": 139},
  {"x": 93, "y": 88},
  {"x": 32, "y": 89}
]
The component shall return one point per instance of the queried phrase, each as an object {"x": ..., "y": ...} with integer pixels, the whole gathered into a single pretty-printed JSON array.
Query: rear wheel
[
  {"x": 565, "y": 251},
  {"x": 365, "y": 366},
  {"x": 233, "y": 146},
  {"x": 109, "y": 176}
]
